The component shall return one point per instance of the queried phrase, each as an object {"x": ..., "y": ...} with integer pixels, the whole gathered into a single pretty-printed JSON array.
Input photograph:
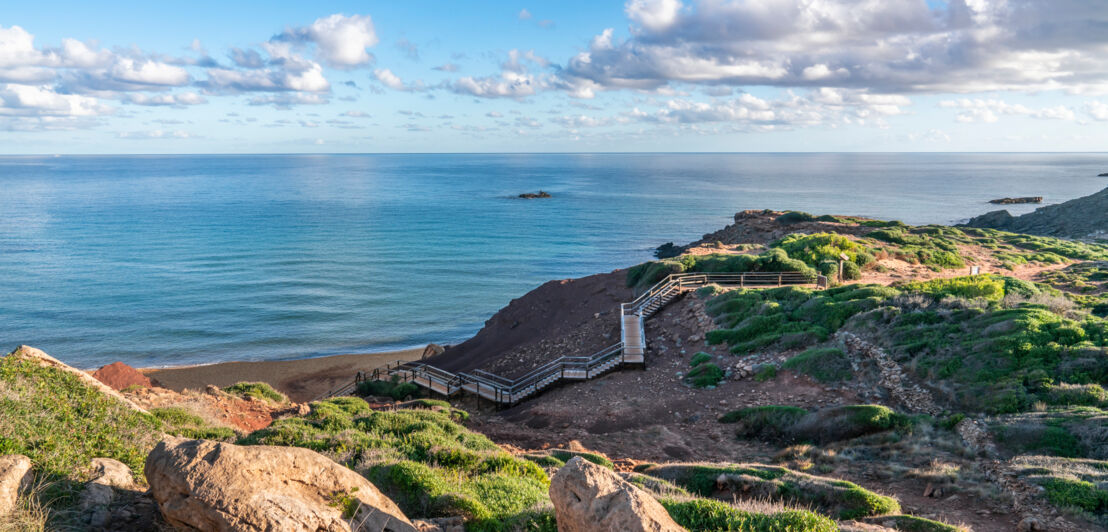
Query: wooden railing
[{"x": 503, "y": 390}]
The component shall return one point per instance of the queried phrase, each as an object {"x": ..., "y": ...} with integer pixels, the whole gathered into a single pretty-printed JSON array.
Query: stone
[
  {"x": 432, "y": 350},
  {"x": 591, "y": 498},
  {"x": 1030, "y": 524},
  {"x": 108, "y": 475},
  {"x": 120, "y": 376},
  {"x": 217, "y": 487},
  {"x": 112, "y": 473},
  {"x": 15, "y": 477}
]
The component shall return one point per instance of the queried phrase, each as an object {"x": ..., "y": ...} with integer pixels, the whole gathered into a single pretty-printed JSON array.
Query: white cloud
[
  {"x": 879, "y": 45},
  {"x": 155, "y": 134},
  {"x": 507, "y": 85},
  {"x": 1097, "y": 110},
  {"x": 171, "y": 100},
  {"x": 654, "y": 15},
  {"x": 341, "y": 41},
  {"x": 27, "y": 100},
  {"x": 989, "y": 110},
  {"x": 524, "y": 14},
  {"x": 148, "y": 72}
]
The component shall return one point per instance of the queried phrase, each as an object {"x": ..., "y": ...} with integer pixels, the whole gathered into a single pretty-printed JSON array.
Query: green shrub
[
  {"x": 827, "y": 364},
  {"x": 969, "y": 287},
  {"x": 700, "y": 358},
  {"x": 256, "y": 390},
  {"x": 704, "y": 375},
  {"x": 391, "y": 388},
  {"x": 766, "y": 373},
  {"x": 792, "y": 217},
  {"x": 565, "y": 455},
  {"x": 911, "y": 523},
  {"x": 711, "y": 515},
  {"x": 837, "y": 498},
  {"x": 771, "y": 421},
  {"x": 844, "y": 422},
  {"x": 1069, "y": 493}
]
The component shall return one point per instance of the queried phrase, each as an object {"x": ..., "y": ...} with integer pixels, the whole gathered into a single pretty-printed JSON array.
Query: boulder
[
  {"x": 433, "y": 350},
  {"x": 15, "y": 476},
  {"x": 120, "y": 376},
  {"x": 39, "y": 357},
  {"x": 108, "y": 475},
  {"x": 217, "y": 486},
  {"x": 591, "y": 498}
]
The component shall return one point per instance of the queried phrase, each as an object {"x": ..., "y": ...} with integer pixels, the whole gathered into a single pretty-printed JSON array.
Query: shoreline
[{"x": 302, "y": 379}]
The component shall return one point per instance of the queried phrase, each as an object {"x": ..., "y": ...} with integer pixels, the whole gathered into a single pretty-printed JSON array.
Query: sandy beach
[{"x": 301, "y": 379}]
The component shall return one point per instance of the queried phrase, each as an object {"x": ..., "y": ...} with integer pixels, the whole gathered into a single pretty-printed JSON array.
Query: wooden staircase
[{"x": 631, "y": 350}]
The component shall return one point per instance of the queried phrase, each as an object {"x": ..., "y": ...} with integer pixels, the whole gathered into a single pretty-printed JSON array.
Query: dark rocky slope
[{"x": 1082, "y": 218}]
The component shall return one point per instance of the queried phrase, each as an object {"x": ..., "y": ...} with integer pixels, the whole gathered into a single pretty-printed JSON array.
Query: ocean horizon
[{"x": 166, "y": 260}]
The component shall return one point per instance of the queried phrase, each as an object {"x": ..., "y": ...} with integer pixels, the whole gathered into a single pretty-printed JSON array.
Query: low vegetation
[
  {"x": 62, "y": 423},
  {"x": 825, "y": 364},
  {"x": 703, "y": 373},
  {"x": 790, "y": 424},
  {"x": 259, "y": 391},
  {"x": 180, "y": 422},
  {"x": 836, "y": 498},
  {"x": 390, "y": 388},
  {"x": 1079, "y": 485},
  {"x": 427, "y": 462}
]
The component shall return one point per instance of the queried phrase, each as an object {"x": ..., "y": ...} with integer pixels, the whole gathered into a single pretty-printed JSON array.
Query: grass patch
[
  {"x": 256, "y": 390},
  {"x": 790, "y": 424},
  {"x": 712, "y": 515},
  {"x": 180, "y": 422},
  {"x": 826, "y": 364},
  {"x": 704, "y": 375},
  {"x": 836, "y": 498},
  {"x": 61, "y": 423}
]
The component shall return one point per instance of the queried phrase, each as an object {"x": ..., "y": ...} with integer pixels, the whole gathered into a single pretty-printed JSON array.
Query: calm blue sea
[{"x": 168, "y": 260}]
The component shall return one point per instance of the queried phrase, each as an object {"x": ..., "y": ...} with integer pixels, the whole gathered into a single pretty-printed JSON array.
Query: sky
[{"x": 568, "y": 76}]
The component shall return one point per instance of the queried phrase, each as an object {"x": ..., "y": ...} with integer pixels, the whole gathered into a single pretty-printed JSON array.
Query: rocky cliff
[{"x": 1082, "y": 218}]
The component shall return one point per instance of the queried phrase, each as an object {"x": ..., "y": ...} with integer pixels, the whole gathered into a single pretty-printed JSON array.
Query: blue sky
[{"x": 645, "y": 75}]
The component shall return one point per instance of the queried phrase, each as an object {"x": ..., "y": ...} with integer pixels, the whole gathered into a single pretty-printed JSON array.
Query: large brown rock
[
  {"x": 591, "y": 498},
  {"x": 120, "y": 376},
  {"x": 216, "y": 486},
  {"x": 15, "y": 476}
]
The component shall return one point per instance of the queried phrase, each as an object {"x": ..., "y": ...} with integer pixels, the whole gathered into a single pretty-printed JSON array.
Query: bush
[
  {"x": 704, "y": 375},
  {"x": 827, "y": 364},
  {"x": 771, "y": 421},
  {"x": 699, "y": 358},
  {"x": 711, "y": 515},
  {"x": 1069, "y": 493},
  {"x": 792, "y": 217},
  {"x": 837, "y": 498},
  {"x": 256, "y": 390},
  {"x": 969, "y": 287},
  {"x": 391, "y": 388}
]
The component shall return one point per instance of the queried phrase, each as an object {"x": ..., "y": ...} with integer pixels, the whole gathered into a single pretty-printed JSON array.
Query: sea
[{"x": 176, "y": 260}]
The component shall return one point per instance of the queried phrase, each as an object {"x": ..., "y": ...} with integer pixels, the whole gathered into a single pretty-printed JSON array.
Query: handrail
[{"x": 504, "y": 390}]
